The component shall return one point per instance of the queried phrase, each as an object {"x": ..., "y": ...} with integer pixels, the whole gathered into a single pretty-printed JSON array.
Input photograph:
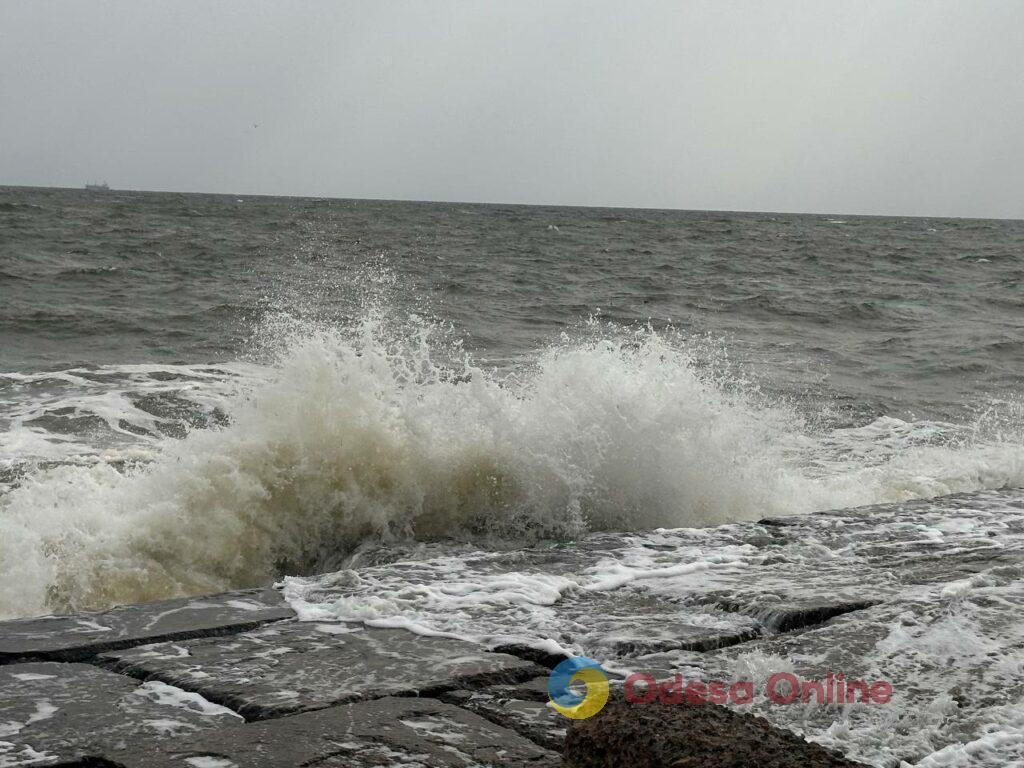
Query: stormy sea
[{"x": 796, "y": 440}]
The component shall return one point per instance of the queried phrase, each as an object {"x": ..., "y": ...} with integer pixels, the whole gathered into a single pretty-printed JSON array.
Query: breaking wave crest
[{"x": 392, "y": 431}]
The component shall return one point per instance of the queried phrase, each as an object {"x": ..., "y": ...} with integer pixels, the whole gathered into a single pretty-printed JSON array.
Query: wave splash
[{"x": 394, "y": 432}]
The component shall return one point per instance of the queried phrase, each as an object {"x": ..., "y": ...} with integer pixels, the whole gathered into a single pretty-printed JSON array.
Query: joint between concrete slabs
[{"x": 87, "y": 655}]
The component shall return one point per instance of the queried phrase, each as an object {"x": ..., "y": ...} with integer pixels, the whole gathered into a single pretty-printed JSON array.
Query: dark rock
[
  {"x": 78, "y": 714},
  {"x": 293, "y": 667},
  {"x": 786, "y": 615},
  {"x": 544, "y": 658},
  {"x": 384, "y": 732},
  {"x": 77, "y": 637},
  {"x": 681, "y": 637},
  {"x": 664, "y": 736},
  {"x": 790, "y": 617}
]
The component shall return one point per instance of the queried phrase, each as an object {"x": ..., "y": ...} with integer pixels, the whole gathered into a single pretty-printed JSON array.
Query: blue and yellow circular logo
[{"x": 565, "y": 700}]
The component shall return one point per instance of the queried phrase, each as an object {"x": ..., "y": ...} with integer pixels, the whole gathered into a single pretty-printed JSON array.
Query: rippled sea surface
[{"x": 883, "y": 315}]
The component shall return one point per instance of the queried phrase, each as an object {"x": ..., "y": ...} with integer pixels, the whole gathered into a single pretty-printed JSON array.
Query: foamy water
[
  {"x": 386, "y": 430},
  {"x": 205, "y": 392}
]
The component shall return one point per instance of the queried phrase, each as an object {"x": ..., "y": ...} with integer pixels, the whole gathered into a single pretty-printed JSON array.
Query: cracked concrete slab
[
  {"x": 523, "y": 707},
  {"x": 291, "y": 667},
  {"x": 79, "y": 636}
]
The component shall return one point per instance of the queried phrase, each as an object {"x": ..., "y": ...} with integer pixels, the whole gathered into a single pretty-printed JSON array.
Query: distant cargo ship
[{"x": 104, "y": 187}]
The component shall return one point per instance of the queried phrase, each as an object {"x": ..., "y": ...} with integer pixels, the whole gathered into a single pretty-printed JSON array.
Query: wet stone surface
[
  {"x": 80, "y": 636},
  {"x": 58, "y": 713},
  {"x": 522, "y": 707},
  {"x": 292, "y": 667},
  {"x": 411, "y": 732}
]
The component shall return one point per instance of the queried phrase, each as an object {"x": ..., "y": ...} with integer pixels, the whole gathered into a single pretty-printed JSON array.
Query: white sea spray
[{"x": 386, "y": 429}]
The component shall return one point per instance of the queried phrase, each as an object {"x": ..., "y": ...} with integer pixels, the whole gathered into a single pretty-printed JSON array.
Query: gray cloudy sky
[{"x": 872, "y": 107}]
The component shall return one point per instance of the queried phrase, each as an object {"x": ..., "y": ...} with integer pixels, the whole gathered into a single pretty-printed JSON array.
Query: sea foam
[{"x": 388, "y": 430}]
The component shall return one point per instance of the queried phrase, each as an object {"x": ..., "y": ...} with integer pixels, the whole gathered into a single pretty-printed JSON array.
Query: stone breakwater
[
  {"x": 924, "y": 595},
  {"x": 235, "y": 680}
]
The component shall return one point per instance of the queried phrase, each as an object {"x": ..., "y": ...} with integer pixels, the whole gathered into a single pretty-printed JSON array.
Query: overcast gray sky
[{"x": 869, "y": 107}]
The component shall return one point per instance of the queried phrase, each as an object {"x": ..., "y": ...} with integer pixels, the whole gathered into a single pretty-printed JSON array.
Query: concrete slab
[
  {"x": 411, "y": 732},
  {"x": 522, "y": 707},
  {"x": 53, "y": 713},
  {"x": 80, "y": 636},
  {"x": 291, "y": 667}
]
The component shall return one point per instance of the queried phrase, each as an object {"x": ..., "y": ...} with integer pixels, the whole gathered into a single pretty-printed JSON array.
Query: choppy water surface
[{"x": 203, "y": 392}]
